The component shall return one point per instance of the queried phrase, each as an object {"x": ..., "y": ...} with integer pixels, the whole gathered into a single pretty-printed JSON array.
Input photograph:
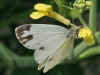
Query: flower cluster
[
  {"x": 82, "y": 4},
  {"x": 47, "y": 10},
  {"x": 86, "y": 34},
  {"x": 41, "y": 10}
]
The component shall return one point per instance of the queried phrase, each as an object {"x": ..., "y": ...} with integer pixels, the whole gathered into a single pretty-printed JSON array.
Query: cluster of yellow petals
[
  {"x": 47, "y": 10},
  {"x": 41, "y": 10},
  {"x": 43, "y": 7},
  {"x": 86, "y": 34}
]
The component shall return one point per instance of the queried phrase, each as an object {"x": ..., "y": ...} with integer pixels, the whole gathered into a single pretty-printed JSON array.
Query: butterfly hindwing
[
  {"x": 48, "y": 48},
  {"x": 62, "y": 53}
]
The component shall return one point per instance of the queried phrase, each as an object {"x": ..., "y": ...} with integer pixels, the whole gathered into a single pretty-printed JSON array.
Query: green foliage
[
  {"x": 17, "y": 11},
  {"x": 84, "y": 51},
  {"x": 90, "y": 52},
  {"x": 14, "y": 10}
]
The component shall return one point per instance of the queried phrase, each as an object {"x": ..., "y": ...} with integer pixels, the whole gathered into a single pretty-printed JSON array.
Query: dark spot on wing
[
  {"x": 26, "y": 39},
  {"x": 23, "y": 28},
  {"x": 42, "y": 48},
  {"x": 27, "y": 27},
  {"x": 29, "y": 37},
  {"x": 20, "y": 32}
]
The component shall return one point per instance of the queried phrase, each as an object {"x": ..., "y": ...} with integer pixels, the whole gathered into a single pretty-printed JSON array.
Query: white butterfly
[{"x": 52, "y": 43}]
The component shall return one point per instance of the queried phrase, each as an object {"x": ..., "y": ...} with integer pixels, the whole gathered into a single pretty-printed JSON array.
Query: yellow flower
[
  {"x": 37, "y": 15},
  {"x": 41, "y": 10},
  {"x": 47, "y": 10},
  {"x": 43, "y": 7},
  {"x": 86, "y": 34}
]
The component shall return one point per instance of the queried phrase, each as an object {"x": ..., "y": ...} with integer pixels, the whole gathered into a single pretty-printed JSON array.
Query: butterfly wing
[
  {"x": 44, "y": 38},
  {"x": 62, "y": 53},
  {"x": 32, "y": 35}
]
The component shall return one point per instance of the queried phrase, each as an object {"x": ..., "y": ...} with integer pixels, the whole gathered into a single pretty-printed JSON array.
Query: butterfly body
[{"x": 51, "y": 43}]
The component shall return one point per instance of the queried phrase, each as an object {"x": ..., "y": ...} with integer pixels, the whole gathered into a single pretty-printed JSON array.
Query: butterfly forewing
[{"x": 32, "y": 35}]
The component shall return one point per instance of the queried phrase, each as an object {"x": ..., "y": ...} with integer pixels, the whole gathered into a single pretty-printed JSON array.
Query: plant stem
[
  {"x": 82, "y": 20},
  {"x": 60, "y": 4},
  {"x": 7, "y": 59},
  {"x": 90, "y": 52},
  {"x": 62, "y": 19},
  {"x": 92, "y": 16},
  {"x": 93, "y": 50},
  {"x": 82, "y": 51},
  {"x": 10, "y": 58}
]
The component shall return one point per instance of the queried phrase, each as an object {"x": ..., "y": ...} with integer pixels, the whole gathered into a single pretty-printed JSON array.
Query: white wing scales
[
  {"x": 45, "y": 39},
  {"x": 31, "y": 35},
  {"x": 50, "y": 46},
  {"x": 62, "y": 53}
]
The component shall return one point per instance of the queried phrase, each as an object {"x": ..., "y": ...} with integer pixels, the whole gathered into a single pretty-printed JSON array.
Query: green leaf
[{"x": 75, "y": 13}]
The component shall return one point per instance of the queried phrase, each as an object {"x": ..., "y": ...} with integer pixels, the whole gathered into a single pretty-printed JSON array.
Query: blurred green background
[{"x": 17, "y": 60}]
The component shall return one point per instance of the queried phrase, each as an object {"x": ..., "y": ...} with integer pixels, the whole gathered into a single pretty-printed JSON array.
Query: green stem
[
  {"x": 83, "y": 51},
  {"x": 92, "y": 16},
  {"x": 82, "y": 20},
  {"x": 7, "y": 59},
  {"x": 90, "y": 52},
  {"x": 10, "y": 58},
  {"x": 79, "y": 49},
  {"x": 60, "y": 4}
]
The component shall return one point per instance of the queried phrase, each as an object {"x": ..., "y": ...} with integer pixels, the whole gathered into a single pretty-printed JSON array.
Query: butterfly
[{"x": 52, "y": 43}]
